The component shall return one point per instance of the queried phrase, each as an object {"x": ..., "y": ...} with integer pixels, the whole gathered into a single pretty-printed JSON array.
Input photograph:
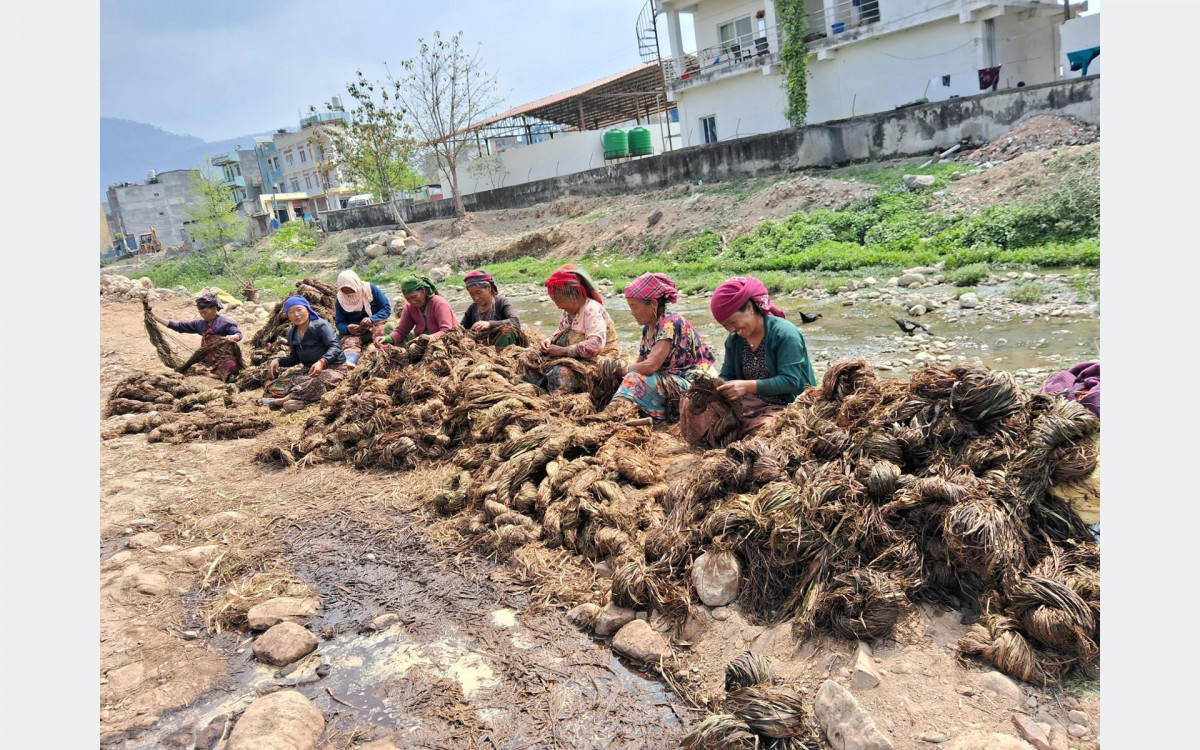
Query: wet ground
[{"x": 448, "y": 667}]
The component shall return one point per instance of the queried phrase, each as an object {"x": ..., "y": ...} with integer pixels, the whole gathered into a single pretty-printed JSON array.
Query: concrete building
[
  {"x": 723, "y": 66},
  {"x": 307, "y": 175},
  {"x": 106, "y": 235},
  {"x": 160, "y": 202}
]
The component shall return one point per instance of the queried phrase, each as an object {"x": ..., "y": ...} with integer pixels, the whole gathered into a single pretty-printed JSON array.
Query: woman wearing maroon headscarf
[{"x": 766, "y": 362}]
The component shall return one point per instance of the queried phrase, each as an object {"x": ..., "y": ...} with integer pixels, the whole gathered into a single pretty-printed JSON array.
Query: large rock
[
  {"x": 654, "y": 218},
  {"x": 395, "y": 247},
  {"x": 612, "y": 618},
  {"x": 909, "y": 279},
  {"x": 440, "y": 273},
  {"x": 279, "y": 609},
  {"x": 969, "y": 301},
  {"x": 918, "y": 181},
  {"x": 584, "y": 615},
  {"x": 375, "y": 251},
  {"x": 715, "y": 576},
  {"x": 280, "y": 721},
  {"x": 283, "y": 644},
  {"x": 638, "y": 640},
  {"x": 979, "y": 740},
  {"x": 144, "y": 540},
  {"x": 995, "y": 682},
  {"x": 845, "y": 724},
  {"x": 865, "y": 676}
]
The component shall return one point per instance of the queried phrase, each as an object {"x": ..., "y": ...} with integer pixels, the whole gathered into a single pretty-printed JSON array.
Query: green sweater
[{"x": 787, "y": 357}]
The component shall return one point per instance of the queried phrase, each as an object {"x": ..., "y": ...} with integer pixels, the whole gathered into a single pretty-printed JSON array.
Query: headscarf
[
  {"x": 480, "y": 278},
  {"x": 209, "y": 300},
  {"x": 416, "y": 283},
  {"x": 733, "y": 294},
  {"x": 291, "y": 302},
  {"x": 360, "y": 298},
  {"x": 572, "y": 281},
  {"x": 652, "y": 287}
]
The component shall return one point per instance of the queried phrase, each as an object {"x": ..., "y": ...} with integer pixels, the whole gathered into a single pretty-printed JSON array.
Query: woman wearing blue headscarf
[{"x": 312, "y": 343}]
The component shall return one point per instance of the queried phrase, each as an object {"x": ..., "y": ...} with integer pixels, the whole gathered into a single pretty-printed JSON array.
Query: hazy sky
[{"x": 218, "y": 69}]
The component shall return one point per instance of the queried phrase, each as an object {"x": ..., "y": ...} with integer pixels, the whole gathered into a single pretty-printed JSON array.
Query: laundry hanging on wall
[
  {"x": 1080, "y": 59},
  {"x": 989, "y": 78}
]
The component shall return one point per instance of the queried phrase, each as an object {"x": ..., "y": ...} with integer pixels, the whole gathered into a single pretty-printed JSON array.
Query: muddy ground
[{"x": 473, "y": 658}]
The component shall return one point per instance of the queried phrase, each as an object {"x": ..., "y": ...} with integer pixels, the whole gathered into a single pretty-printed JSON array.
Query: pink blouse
[{"x": 435, "y": 319}]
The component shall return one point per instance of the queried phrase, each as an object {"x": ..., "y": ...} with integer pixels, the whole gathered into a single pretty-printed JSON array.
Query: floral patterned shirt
[
  {"x": 689, "y": 354},
  {"x": 590, "y": 334}
]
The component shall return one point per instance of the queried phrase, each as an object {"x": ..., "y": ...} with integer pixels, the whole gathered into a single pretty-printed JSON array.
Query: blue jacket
[
  {"x": 381, "y": 310},
  {"x": 319, "y": 342}
]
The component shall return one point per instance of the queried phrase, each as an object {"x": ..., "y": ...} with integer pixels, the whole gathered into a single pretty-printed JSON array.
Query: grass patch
[
  {"x": 833, "y": 283},
  {"x": 968, "y": 275},
  {"x": 893, "y": 177},
  {"x": 1029, "y": 292},
  {"x": 1086, "y": 289}
]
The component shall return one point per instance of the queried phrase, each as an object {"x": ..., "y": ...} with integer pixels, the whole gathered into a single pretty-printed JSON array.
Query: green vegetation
[
  {"x": 1086, "y": 289},
  {"x": 793, "y": 21},
  {"x": 968, "y": 275},
  {"x": 1029, "y": 292},
  {"x": 197, "y": 270},
  {"x": 958, "y": 293}
]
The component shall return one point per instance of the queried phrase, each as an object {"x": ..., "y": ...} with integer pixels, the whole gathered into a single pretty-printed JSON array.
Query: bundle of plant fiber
[
  {"x": 148, "y": 391},
  {"x": 268, "y": 339},
  {"x": 158, "y": 337},
  {"x": 756, "y": 712}
]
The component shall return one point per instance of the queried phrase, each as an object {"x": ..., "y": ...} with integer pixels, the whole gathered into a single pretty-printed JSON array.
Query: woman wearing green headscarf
[{"x": 425, "y": 311}]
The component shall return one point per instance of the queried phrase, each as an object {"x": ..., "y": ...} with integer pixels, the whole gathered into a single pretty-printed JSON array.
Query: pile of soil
[{"x": 1035, "y": 134}]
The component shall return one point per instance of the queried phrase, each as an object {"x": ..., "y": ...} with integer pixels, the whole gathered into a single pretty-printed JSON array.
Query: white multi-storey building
[
  {"x": 865, "y": 56},
  {"x": 305, "y": 177}
]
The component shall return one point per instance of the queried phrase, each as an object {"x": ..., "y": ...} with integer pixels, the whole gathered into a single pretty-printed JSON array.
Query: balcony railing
[
  {"x": 741, "y": 51},
  {"x": 843, "y": 17}
]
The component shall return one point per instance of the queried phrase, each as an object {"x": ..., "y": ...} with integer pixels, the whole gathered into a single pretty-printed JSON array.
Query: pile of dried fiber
[
  {"x": 758, "y": 711},
  {"x": 270, "y": 337},
  {"x": 148, "y": 391}
]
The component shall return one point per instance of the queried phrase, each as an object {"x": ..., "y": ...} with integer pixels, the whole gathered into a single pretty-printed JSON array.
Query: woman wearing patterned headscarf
[
  {"x": 671, "y": 349},
  {"x": 359, "y": 314},
  {"x": 212, "y": 327},
  {"x": 425, "y": 311},
  {"x": 489, "y": 311},
  {"x": 585, "y": 330},
  {"x": 766, "y": 362},
  {"x": 316, "y": 353}
]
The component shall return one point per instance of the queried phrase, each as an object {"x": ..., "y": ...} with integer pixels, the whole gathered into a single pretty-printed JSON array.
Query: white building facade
[
  {"x": 865, "y": 56},
  {"x": 307, "y": 174}
]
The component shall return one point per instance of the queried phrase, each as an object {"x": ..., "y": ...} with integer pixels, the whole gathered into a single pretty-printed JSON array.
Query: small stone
[
  {"x": 1078, "y": 717},
  {"x": 1027, "y": 276},
  {"x": 1031, "y": 701},
  {"x": 167, "y": 549},
  {"x": 918, "y": 181},
  {"x": 917, "y": 310},
  {"x": 865, "y": 675},
  {"x": 909, "y": 279},
  {"x": 283, "y": 644},
  {"x": 584, "y": 615},
  {"x": 126, "y": 678},
  {"x": 1077, "y": 731},
  {"x": 440, "y": 273},
  {"x": 1031, "y": 731},
  {"x": 969, "y": 301},
  {"x": 980, "y": 740},
  {"x": 935, "y": 738},
  {"x": 966, "y": 690},
  {"x": 369, "y": 557},
  {"x": 843, "y": 289},
  {"x": 994, "y": 682},
  {"x": 720, "y": 614},
  {"x": 383, "y": 744},
  {"x": 612, "y": 618},
  {"x": 383, "y": 622},
  {"x": 604, "y": 569},
  {"x": 638, "y": 640},
  {"x": 375, "y": 251},
  {"x": 223, "y": 518},
  {"x": 150, "y": 584},
  {"x": 894, "y": 281},
  {"x": 285, "y": 719},
  {"x": 654, "y": 218},
  {"x": 198, "y": 557},
  {"x": 870, "y": 281},
  {"x": 845, "y": 724},
  {"x": 142, "y": 523},
  {"x": 273, "y": 611},
  {"x": 144, "y": 540},
  {"x": 715, "y": 576}
]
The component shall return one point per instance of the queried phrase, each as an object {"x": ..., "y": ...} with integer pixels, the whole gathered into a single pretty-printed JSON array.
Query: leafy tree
[
  {"x": 445, "y": 90},
  {"x": 215, "y": 222},
  {"x": 376, "y": 147}
]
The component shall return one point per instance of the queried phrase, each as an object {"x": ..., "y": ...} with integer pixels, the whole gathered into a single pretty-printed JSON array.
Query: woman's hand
[
  {"x": 554, "y": 350},
  {"x": 382, "y": 341},
  {"x": 737, "y": 388},
  {"x": 273, "y": 368},
  {"x": 481, "y": 325},
  {"x": 233, "y": 338},
  {"x": 365, "y": 323},
  {"x": 352, "y": 329},
  {"x": 316, "y": 368}
]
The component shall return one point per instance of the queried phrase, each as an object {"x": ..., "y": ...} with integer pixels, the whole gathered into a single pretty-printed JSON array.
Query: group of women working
[{"x": 766, "y": 364}]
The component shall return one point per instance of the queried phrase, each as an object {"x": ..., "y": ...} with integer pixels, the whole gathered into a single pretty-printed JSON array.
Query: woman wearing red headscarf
[
  {"x": 766, "y": 362},
  {"x": 585, "y": 330},
  {"x": 671, "y": 349}
]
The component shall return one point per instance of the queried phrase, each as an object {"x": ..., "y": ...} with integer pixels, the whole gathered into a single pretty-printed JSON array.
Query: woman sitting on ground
[
  {"x": 425, "y": 311},
  {"x": 360, "y": 311},
  {"x": 212, "y": 328},
  {"x": 766, "y": 363},
  {"x": 313, "y": 343},
  {"x": 489, "y": 311},
  {"x": 585, "y": 330},
  {"x": 671, "y": 349}
]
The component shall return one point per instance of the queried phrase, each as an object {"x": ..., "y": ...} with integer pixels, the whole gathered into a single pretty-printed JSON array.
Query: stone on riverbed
[
  {"x": 275, "y": 611},
  {"x": 280, "y": 720},
  {"x": 283, "y": 644}
]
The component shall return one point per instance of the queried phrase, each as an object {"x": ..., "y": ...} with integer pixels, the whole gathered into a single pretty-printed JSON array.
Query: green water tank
[
  {"x": 616, "y": 144},
  {"x": 640, "y": 143}
]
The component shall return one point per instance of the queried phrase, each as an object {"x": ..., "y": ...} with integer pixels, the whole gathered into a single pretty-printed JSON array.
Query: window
[
  {"x": 295, "y": 185},
  {"x": 303, "y": 157},
  {"x": 320, "y": 152},
  {"x": 307, "y": 182},
  {"x": 735, "y": 33},
  {"x": 289, "y": 158},
  {"x": 709, "y": 126}
]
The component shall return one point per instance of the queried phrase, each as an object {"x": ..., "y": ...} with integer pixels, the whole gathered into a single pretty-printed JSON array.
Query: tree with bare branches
[
  {"x": 376, "y": 146},
  {"x": 446, "y": 90}
]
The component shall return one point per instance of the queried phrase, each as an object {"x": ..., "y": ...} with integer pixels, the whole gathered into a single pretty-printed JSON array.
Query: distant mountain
[{"x": 129, "y": 149}]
